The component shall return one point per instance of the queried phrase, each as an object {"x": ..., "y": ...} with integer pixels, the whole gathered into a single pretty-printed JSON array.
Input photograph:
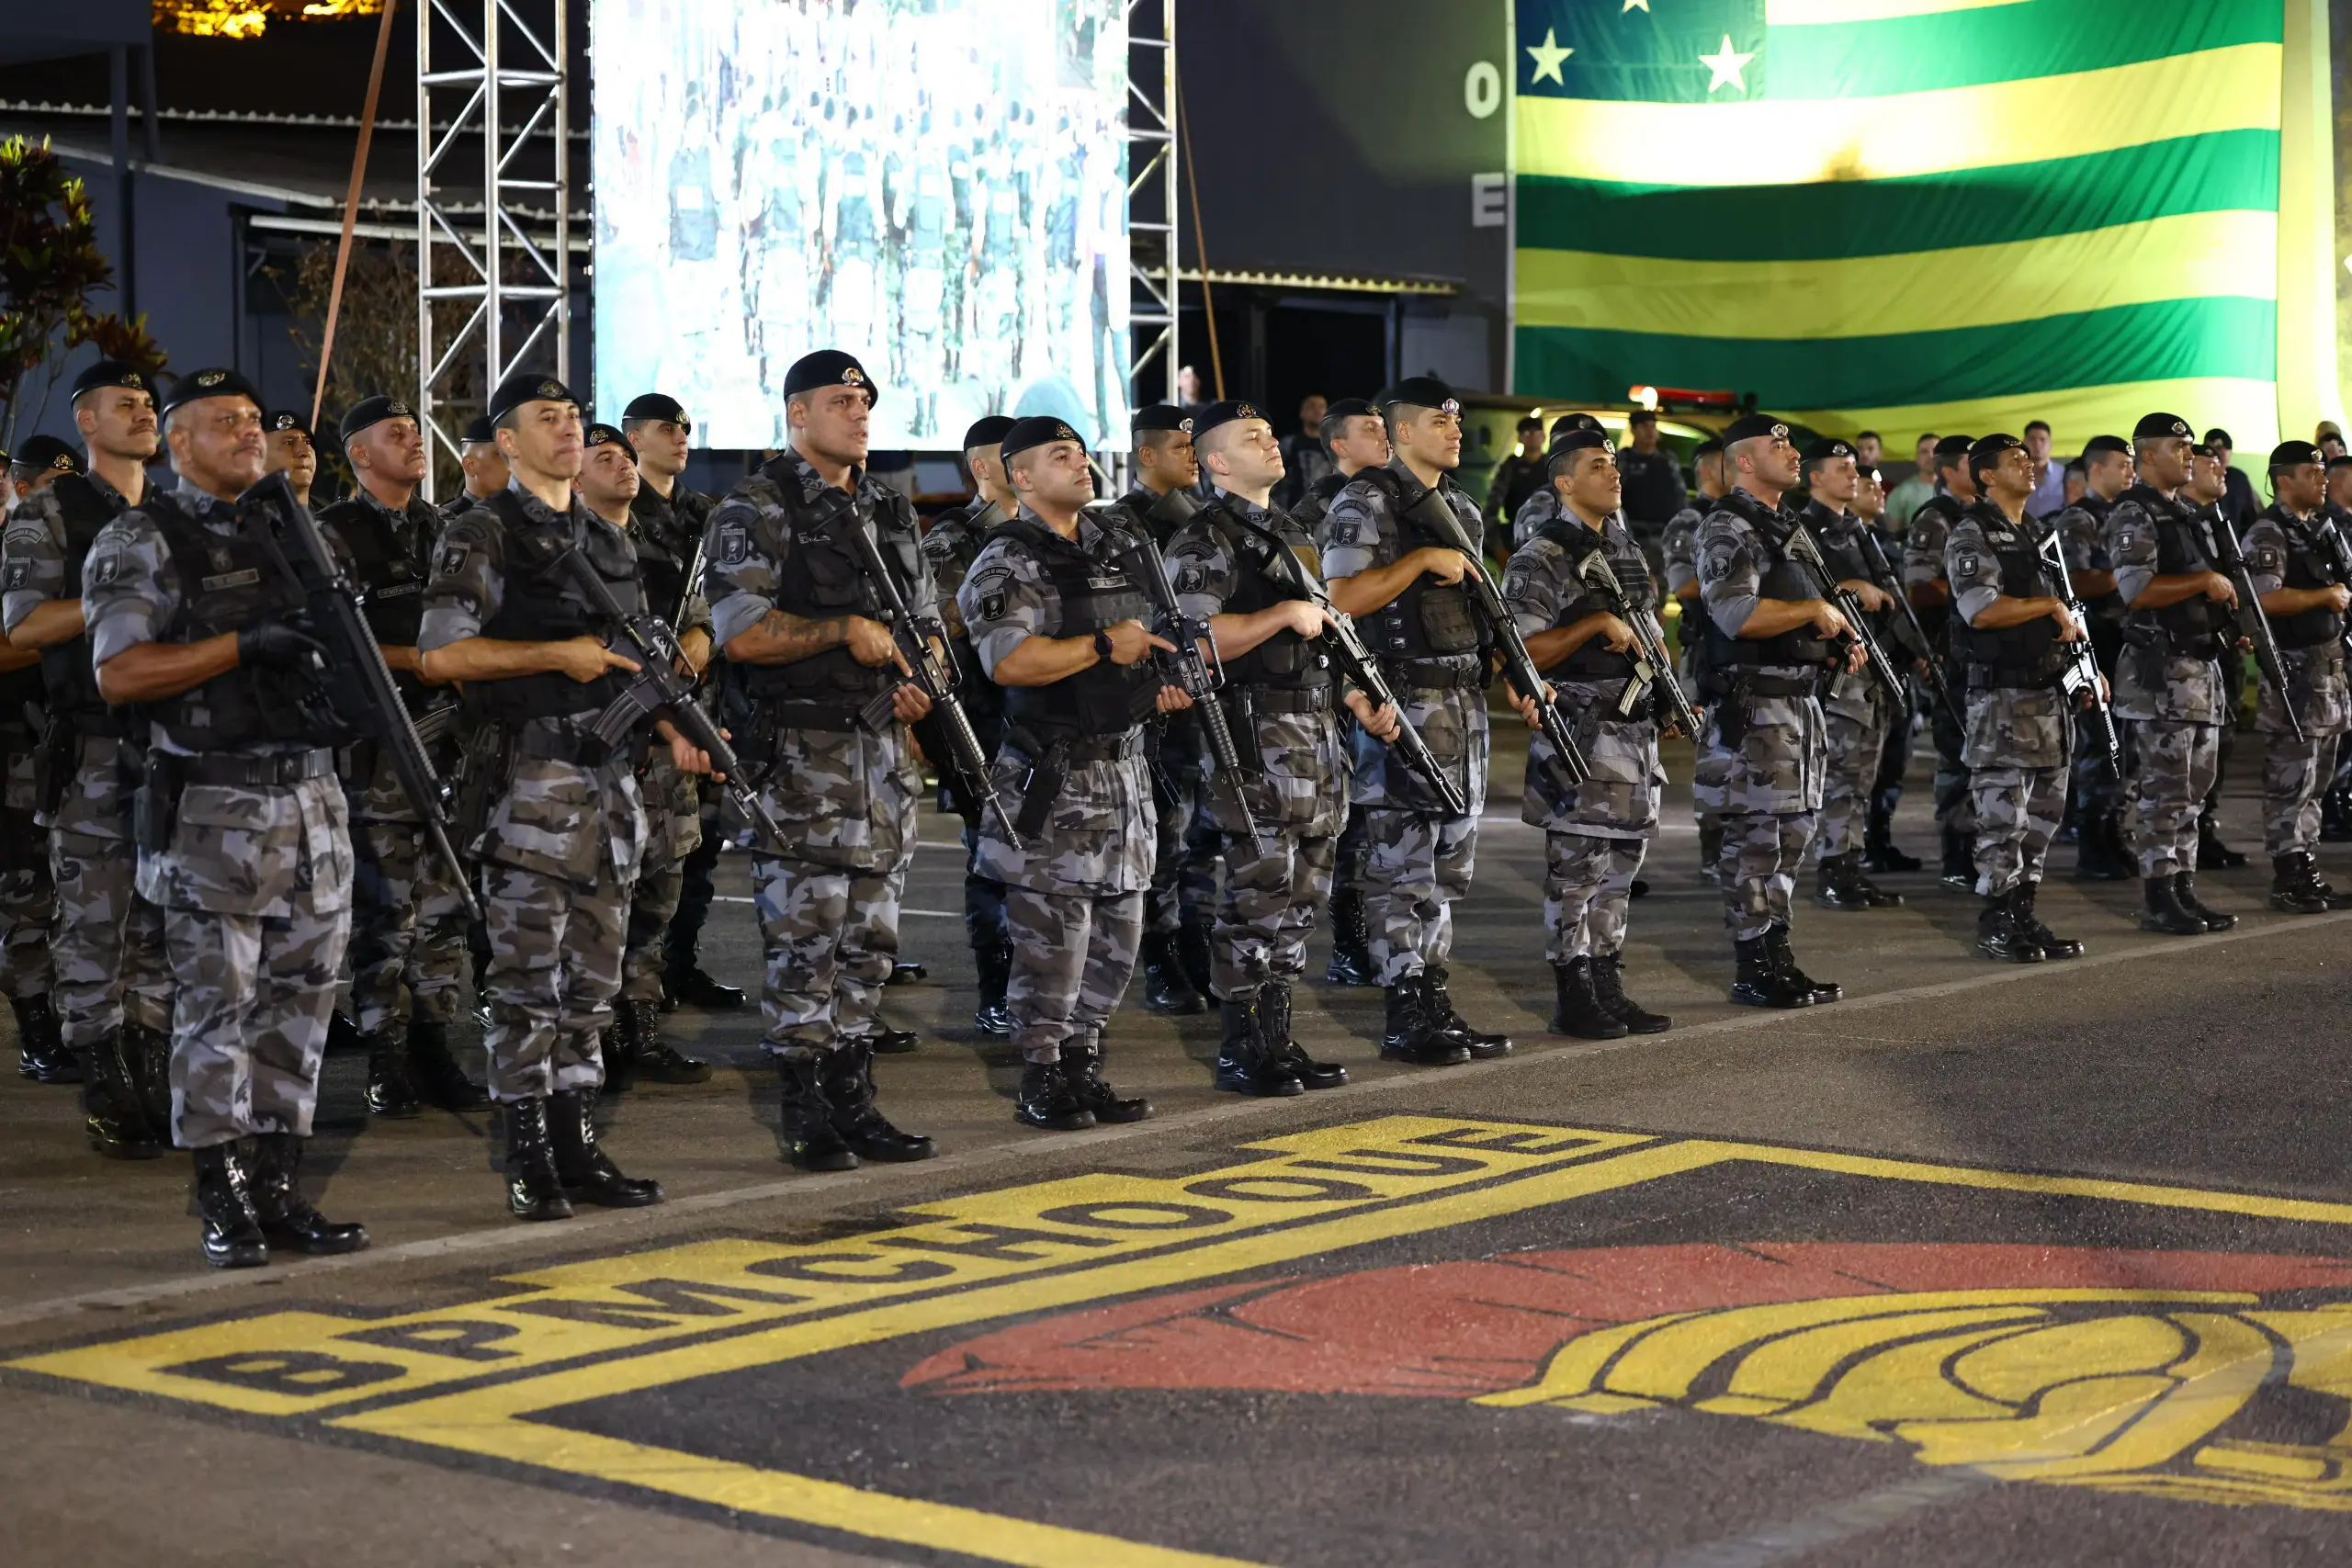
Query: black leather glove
[{"x": 275, "y": 645}]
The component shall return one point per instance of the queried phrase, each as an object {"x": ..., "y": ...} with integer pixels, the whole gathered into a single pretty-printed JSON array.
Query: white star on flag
[
  {"x": 1643, "y": 5},
  {"x": 1727, "y": 66},
  {"x": 1548, "y": 55}
]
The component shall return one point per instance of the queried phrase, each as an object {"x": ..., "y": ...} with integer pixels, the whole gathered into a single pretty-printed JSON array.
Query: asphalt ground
[{"x": 1983, "y": 1265}]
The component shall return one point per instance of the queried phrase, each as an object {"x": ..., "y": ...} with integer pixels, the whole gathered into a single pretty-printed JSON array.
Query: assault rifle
[
  {"x": 1883, "y": 572},
  {"x": 1805, "y": 550},
  {"x": 2253, "y": 625},
  {"x": 2081, "y": 676},
  {"x": 1655, "y": 667},
  {"x": 1432, "y": 513},
  {"x": 2339, "y": 561},
  {"x": 355, "y": 682}
]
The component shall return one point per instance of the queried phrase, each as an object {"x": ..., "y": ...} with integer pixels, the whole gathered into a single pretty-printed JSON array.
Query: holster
[
  {"x": 54, "y": 764},
  {"x": 1041, "y": 787},
  {"x": 155, "y": 804},
  {"x": 484, "y": 767}
]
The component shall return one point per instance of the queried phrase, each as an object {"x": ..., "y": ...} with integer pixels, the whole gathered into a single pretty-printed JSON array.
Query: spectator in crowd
[
  {"x": 1868, "y": 450},
  {"x": 2238, "y": 501},
  {"x": 2330, "y": 440},
  {"x": 1653, "y": 479},
  {"x": 1912, "y": 494},
  {"x": 2049, "y": 497},
  {"x": 1304, "y": 459},
  {"x": 1517, "y": 476},
  {"x": 1188, "y": 389}
]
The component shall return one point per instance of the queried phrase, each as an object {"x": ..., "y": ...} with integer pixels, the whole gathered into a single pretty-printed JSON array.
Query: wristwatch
[{"x": 1103, "y": 644}]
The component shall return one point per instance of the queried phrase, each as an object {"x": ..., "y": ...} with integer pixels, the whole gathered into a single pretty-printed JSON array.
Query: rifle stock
[{"x": 2253, "y": 624}]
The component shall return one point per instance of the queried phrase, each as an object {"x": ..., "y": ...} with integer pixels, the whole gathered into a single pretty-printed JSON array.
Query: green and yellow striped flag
[{"x": 1931, "y": 214}]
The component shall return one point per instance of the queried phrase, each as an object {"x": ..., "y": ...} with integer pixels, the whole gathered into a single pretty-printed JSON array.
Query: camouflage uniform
[
  {"x": 1678, "y": 546},
  {"x": 1763, "y": 755},
  {"x": 951, "y": 546},
  {"x": 1923, "y": 563},
  {"x": 562, "y": 830},
  {"x": 1074, "y": 895},
  {"x": 1857, "y": 713},
  {"x": 829, "y": 904},
  {"x": 1286, "y": 729},
  {"x": 666, "y": 531},
  {"x": 27, "y": 895},
  {"x": 1353, "y": 847},
  {"x": 2021, "y": 727},
  {"x": 1596, "y": 832},
  {"x": 2081, "y": 532},
  {"x": 255, "y": 875},
  {"x": 2168, "y": 683},
  {"x": 1417, "y": 863},
  {"x": 2281, "y": 552}
]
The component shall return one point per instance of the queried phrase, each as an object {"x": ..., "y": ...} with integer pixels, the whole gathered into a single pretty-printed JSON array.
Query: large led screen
[{"x": 938, "y": 186}]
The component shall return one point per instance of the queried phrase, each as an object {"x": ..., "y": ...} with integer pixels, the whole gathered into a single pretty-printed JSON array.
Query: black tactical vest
[
  {"x": 1842, "y": 549},
  {"x": 1429, "y": 619},
  {"x": 1285, "y": 658},
  {"x": 390, "y": 560},
  {"x": 65, "y": 668},
  {"x": 2194, "y": 626},
  {"x": 534, "y": 609},
  {"x": 2306, "y": 568},
  {"x": 1308, "y": 512},
  {"x": 1161, "y": 516},
  {"x": 228, "y": 582},
  {"x": 1784, "y": 579},
  {"x": 1592, "y": 661},
  {"x": 1103, "y": 698},
  {"x": 2029, "y": 653},
  {"x": 667, "y": 529}
]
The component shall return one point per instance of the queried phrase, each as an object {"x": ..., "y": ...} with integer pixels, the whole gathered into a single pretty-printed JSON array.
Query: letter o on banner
[{"x": 1482, "y": 89}]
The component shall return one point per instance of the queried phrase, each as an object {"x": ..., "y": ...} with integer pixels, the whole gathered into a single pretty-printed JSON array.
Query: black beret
[
  {"x": 527, "y": 387},
  {"x": 2099, "y": 444},
  {"x": 659, "y": 405},
  {"x": 214, "y": 383},
  {"x": 1986, "y": 450},
  {"x": 2341, "y": 460},
  {"x": 1160, "y": 416},
  {"x": 288, "y": 419},
  {"x": 112, "y": 373},
  {"x": 610, "y": 435},
  {"x": 1568, "y": 421},
  {"x": 1222, "y": 413},
  {"x": 1952, "y": 450},
  {"x": 2217, "y": 436},
  {"x": 1749, "y": 426},
  {"x": 1712, "y": 447},
  {"x": 1348, "y": 408},
  {"x": 2154, "y": 425},
  {"x": 370, "y": 411},
  {"x": 987, "y": 431},
  {"x": 48, "y": 452},
  {"x": 829, "y": 367},
  {"x": 2294, "y": 454},
  {"x": 1036, "y": 431},
  {"x": 481, "y": 431},
  {"x": 1422, "y": 391},
  {"x": 1569, "y": 441},
  {"x": 1825, "y": 449}
]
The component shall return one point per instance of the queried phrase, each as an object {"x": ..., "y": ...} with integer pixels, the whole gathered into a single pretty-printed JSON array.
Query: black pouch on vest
[
  {"x": 54, "y": 764},
  {"x": 154, "y": 806}
]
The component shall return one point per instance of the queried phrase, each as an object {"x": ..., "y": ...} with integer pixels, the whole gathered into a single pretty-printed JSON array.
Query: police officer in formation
[
  {"x": 1403, "y": 583},
  {"x": 28, "y": 893},
  {"x": 2305, "y": 595},
  {"x": 1923, "y": 579},
  {"x": 1246, "y": 570},
  {"x": 1595, "y": 833},
  {"x": 111, "y": 1024},
  {"x": 2012, "y": 629},
  {"x": 1058, "y": 623},
  {"x": 2097, "y": 805},
  {"x": 556, "y": 817},
  {"x": 483, "y": 465},
  {"x": 408, "y": 935},
  {"x": 2168, "y": 677},
  {"x": 1770, "y": 642},
  {"x": 952, "y": 545},
  {"x": 1679, "y": 547}
]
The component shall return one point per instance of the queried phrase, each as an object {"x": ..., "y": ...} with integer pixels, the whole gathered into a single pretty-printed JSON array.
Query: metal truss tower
[
  {"x": 1152, "y": 206},
  {"x": 492, "y": 258}
]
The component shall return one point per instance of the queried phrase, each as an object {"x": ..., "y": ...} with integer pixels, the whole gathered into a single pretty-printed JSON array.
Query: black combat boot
[
  {"x": 344, "y": 1038},
  {"x": 1193, "y": 948},
  {"x": 288, "y": 1219},
  {"x": 1838, "y": 884},
  {"x": 587, "y": 1172},
  {"x": 2164, "y": 913},
  {"x": 390, "y": 1094},
  {"x": 1483, "y": 1045},
  {"x": 1046, "y": 1098},
  {"x": 2310, "y": 872},
  {"x": 905, "y": 974},
  {"x": 2183, "y": 886},
  {"x": 1416, "y": 1032},
  {"x": 2053, "y": 945},
  {"x": 658, "y": 1061},
  {"x": 1959, "y": 871},
  {"x": 112, "y": 1118},
  {"x": 231, "y": 1231},
  {"x": 689, "y": 985},
  {"x": 1758, "y": 982},
  {"x": 994, "y": 963},
  {"x": 891, "y": 1042},
  {"x": 619, "y": 1048},
  {"x": 41, "y": 1055},
  {"x": 1082, "y": 1065},
  {"x": 1609, "y": 989},
  {"x": 2000, "y": 934},
  {"x": 534, "y": 1190},
  {"x": 1274, "y": 1003},
  {"x": 1167, "y": 989},
  {"x": 847, "y": 1077},
  {"x": 1244, "y": 1065},
  {"x": 1710, "y": 853},
  {"x": 1351, "y": 941},
  {"x": 805, "y": 1122},
  {"x": 1878, "y": 853},
  {"x": 433, "y": 1068},
  {"x": 1776, "y": 942},
  {"x": 2335, "y": 815},
  {"x": 1578, "y": 1012},
  {"x": 2295, "y": 887},
  {"x": 147, "y": 1053},
  {"x": 2211, "y": 854},
  {"x": 2099, "y": 854}
]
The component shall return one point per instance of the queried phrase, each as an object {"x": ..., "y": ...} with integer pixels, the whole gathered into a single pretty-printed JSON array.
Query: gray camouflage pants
[
  {"x": 108, "y": 957},
  {"x": 1183, "y": 873},
  {"x": 2018, "y": 811},
  {"x": 28, "y": 896},
  {"x": 1268, "y": 908},
  {"x": 408, "y": 955},
  {"x": 1763, "y": 851},
  {"x": 1857, "y": 747},
  {"x": 1072, "y": 956},
  {"x": 555, "y": 967},
  {"x": 832, "y": 936},
  {"x": 645, "y": 955},
  {"x": 251, "y": 999},
  {"x": 1414, "y": 867},
  {"x": 2295, "y": 777},
  {"x": 2177, "y": 761},
  {"x": 1588, "y": 883}
]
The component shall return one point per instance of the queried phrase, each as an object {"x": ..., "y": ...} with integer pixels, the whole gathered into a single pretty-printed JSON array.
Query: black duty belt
[
  {"x": 255, "y": 773},
  {"x": 1771, "y": 685},
  {"x": 1081, "y": 750},
  {"x": 2008, "y": 678},
  {"x": 581, "y": 750},
  {"x": 1417, "y": 675},
  {"x": 1287, "y": 699},
  {"x": 812, "y": 716}
]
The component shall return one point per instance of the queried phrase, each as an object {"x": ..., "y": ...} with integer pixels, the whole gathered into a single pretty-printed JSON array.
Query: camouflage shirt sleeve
[
  {"x": 739, "y": 575},
  {"x": 1923, "y": 549},
  {"x": 1536, "y": 587},
  {"x": 1973, "y": 570},
  {"x": 1358, "y": 533},
  {"x": 2080, "y": 539},
  {"x": 2131, "y": 546},
  {"x": 1202, "y": 571},
  {"x": 1007, "y": 600},
  {"x": 1731, "y": 571},
  {"x": 2266, "y": 555},
  {"x": 32, "y": 559},
  {"x": 468, "y": 581},
  {"x": 129, "y": 591},
  {"x": 1680, "y": 546}
]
